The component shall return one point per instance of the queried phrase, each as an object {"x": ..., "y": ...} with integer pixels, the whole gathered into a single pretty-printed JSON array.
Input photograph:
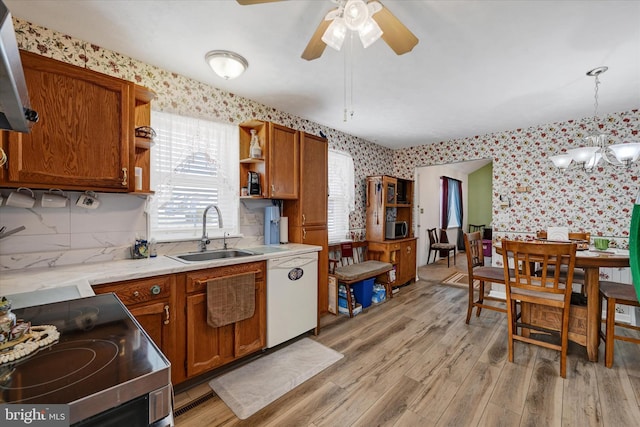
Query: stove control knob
[{"x": 155, "y": 290}]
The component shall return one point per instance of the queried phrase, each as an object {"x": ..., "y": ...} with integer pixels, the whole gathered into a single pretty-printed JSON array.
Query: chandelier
[{"x": 589, "y": 156}]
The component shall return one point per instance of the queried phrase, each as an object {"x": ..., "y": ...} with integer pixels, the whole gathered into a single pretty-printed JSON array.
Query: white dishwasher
[{"x": 292, "y": 297}]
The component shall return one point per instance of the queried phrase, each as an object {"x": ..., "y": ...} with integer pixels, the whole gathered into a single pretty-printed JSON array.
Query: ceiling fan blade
[
  {"x": 250, "y": 2},
  {"x": 316, "y": 46},
  {"x": 394, "y": 33}
]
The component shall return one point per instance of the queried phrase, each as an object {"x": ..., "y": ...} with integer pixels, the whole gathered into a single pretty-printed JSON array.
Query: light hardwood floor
[{"x": 412, "y": 361}]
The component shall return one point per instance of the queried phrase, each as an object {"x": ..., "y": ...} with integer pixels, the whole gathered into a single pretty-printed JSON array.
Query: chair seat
[
  {"x": 623, "y": 294},
  {"x": 444, "y": 246},
  {"x": 489, "y": 274},
  {"x": 578, "y": 273}
]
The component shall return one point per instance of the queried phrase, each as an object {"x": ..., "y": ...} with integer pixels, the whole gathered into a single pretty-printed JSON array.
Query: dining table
[{"x": 591, "y": 261}]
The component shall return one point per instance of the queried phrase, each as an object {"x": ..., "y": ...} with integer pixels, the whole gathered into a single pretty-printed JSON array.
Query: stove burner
[{"x": 60, "y": 367}]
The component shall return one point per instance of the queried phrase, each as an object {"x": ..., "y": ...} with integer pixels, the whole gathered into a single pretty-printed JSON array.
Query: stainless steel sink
[{"x": 212, "y": 255}]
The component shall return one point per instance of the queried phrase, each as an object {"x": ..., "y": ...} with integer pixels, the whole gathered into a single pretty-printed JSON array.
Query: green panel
[{"x": 479, "y": 209}]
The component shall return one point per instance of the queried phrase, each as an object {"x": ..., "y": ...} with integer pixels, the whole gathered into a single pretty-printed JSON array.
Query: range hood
[{"x": 15, "y": 111}]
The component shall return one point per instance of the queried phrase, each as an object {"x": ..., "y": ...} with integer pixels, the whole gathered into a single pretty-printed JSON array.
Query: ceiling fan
[{"x": 369, "y": 18}]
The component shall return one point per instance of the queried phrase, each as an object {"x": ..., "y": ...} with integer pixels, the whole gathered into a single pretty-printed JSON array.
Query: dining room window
[
  {"x": 451, "y": 209},
  {"x": 194, "y": 163},
  {"x": 341, "y": 200}
]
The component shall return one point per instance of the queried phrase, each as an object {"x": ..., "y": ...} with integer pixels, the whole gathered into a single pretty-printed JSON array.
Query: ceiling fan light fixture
[
  {"x": 226, "y": 64},
  {"x": 356, "y": 14},
  {"x": 335, "y": 34},
  {"x": 369, "y": 32}
]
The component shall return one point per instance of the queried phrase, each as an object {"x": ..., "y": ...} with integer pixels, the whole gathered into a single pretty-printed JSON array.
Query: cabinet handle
[
  {"x": 273, "y": 190},
  {"x": 166, "y": 314},
  {"x": 155, "y": 289},
  {"x": 136, "y": 294},
  {"x": 303, "y": 219},
  {"x": 408, "y": 249},
  {"x": 125, "y": 177},
  {"x": 304, "y": 234}
]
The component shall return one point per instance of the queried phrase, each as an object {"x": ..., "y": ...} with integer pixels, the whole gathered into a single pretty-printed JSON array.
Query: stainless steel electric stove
[{"x": 104, "y": 366}]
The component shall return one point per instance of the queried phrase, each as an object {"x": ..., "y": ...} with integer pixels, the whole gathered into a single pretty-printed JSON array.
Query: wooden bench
[{"x": 350, "y": 267}]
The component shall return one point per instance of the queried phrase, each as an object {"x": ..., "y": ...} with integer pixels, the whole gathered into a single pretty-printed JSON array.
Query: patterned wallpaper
[
  {"x": 182, "y": 95},
  {"x": 599, "y": 202}
]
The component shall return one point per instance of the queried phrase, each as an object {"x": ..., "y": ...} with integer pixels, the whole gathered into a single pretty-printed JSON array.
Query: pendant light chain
[{"x": 348, "y": 80}]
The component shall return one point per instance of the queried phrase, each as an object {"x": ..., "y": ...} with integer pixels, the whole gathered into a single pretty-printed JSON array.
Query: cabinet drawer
[{"x": 137, "y": 291}]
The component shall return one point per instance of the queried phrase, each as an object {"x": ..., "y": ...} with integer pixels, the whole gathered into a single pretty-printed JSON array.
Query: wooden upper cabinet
[
  {"x": 283, "y": 166},
  {"x": 311, "y": 208},
  {"x": 83, "y": 139}
]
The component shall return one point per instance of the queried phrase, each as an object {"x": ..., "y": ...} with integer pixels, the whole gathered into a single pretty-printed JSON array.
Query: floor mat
[
  {"x": 460, "y": 280},
  {"x": 253, "y": 386}
]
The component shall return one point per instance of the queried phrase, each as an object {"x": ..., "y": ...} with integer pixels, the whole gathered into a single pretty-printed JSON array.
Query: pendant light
[{"x": 589, "y": 156}]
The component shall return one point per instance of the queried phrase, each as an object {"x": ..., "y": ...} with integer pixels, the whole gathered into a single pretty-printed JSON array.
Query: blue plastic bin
[{"x": 363, "y": 291}]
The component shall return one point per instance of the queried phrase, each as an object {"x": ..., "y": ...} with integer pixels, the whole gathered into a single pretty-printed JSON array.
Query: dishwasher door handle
[{"x": 290, "y": 263}]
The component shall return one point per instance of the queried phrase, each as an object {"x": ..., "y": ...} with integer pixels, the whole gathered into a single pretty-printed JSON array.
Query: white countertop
[{"x": 83, "y": 276}]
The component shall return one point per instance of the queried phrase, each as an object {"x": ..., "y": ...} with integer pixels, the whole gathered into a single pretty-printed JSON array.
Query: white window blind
[
  {"x": 194, "y": 163},
  {"x": 341, "y": 194}
]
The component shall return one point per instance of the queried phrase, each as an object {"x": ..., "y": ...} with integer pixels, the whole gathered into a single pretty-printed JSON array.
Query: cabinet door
[
  {"x": 407, "y": 262},
  {"x": 313, "y": 180},
  {"x": 283, "y": 167},
  {"x": 207, "y": 347},
  {"x": 82, "y": 140},
  {"x": 250, "y": 334},
  {"x": 155, "y": 319}
]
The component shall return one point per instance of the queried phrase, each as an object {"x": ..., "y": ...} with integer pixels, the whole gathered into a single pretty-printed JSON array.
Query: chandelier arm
[{"x": 606, "y": 155}]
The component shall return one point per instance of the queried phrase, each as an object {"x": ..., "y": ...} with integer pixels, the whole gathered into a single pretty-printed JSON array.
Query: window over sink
[{"x": 193, "y": 164}]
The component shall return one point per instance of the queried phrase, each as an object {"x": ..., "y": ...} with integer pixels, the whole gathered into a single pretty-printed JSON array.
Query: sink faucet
[{"x": 204, "y": 241}]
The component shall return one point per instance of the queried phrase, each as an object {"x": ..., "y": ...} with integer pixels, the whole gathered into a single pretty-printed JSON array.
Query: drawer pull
[
  {"x": 155, "y": 289},
  {"x": 166, "y": 314},
  {"x": 125, "y": 177},
  {"x": 136, "y": 294}
]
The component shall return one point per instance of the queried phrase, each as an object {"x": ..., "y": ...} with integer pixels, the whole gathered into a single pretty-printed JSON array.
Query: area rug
[
  {"x": 253, "y": 386},
  {"x": 460, "y": 280}
]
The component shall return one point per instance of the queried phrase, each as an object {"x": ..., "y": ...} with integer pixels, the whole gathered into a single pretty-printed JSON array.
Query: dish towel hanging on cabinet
[{"x": 230, "y": 299}]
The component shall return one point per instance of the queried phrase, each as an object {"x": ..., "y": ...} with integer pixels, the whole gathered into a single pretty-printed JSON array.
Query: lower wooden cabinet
[
  {"x": 208, "y": 347},
  {"x": 401, "y": 253},
  {"x": 152, "y": 302},
  {"x": 183, "y": 335}
]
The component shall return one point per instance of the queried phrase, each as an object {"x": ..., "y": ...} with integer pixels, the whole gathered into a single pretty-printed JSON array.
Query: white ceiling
[{"x": 480, "y": 66}]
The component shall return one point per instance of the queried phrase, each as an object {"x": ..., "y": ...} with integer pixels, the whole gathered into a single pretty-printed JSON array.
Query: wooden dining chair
[
  {"x": 473, "y": 228},
  {"x": 616, "y": 293},
  {"x": 524, "y": 287},
  {"x": 477, "y": 271},
  {"x": 435, "y": 246},
  {"x": 578, "y": 273}
]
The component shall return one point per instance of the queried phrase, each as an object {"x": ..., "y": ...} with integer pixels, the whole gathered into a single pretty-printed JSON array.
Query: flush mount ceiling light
[
  {"x": 226, "y": 64},
  {"x": 588, "y": 157}
]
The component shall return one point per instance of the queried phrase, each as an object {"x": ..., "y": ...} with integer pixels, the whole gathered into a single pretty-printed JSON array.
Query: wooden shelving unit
[{"x": 391, "y": 199}]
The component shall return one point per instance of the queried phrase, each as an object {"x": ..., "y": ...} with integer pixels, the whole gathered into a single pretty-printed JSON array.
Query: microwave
[{"x": 396, "y": 230}]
